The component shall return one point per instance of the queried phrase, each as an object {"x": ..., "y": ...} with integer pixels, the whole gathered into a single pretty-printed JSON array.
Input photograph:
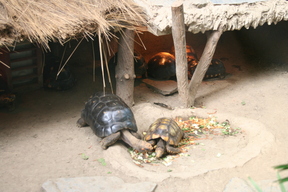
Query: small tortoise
[
  {"x": 111, "y": 119},
  {"x": 166, "y": 134}
]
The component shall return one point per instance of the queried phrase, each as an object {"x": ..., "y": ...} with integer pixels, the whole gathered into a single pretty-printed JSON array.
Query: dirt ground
[{"x": 40, "y": 140}]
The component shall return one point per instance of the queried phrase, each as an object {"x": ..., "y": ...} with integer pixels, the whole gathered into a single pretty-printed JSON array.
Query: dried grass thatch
[{"x": 61, "y": 20}]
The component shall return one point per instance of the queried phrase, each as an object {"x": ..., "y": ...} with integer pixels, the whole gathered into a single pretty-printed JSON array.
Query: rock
[
  {"x": 167, "y": 87},
  {"x": 95, "y": 184},
  {"x": 239, "y": 185}
]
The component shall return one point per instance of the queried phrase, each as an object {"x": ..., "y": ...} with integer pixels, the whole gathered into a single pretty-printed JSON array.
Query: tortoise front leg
[
  {"x": 160, "y": 148},
  {"x": 81, "y": 123},
  {"x": 152, "y": 142},
  {"x": 110, "y": 140}
]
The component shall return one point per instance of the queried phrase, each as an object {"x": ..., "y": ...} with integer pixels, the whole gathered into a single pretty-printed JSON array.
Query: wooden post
[
  {"x": 125, "y": 67},
  {"x": 179, "y": 39},
  {"x": 205, "y": 60}
]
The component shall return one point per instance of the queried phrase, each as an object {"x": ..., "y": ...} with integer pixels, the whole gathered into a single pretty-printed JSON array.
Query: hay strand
[
  {"x": 69, "y": 57},
  {"x": 62, "y": 20},
  {"x": 107, "y": 69},
  {"x": 94, "y": 63},
  {"x": 101, "y": 59}
]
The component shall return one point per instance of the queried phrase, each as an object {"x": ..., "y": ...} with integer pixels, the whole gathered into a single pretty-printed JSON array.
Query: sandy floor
[{"x": 40, "y": 140}]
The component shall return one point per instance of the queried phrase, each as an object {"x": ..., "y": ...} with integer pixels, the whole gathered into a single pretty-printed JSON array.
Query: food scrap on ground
[{"x": 195, "y": 129}]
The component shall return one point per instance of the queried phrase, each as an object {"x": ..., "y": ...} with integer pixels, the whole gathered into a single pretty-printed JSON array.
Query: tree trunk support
[
  {"x": 125, "y": 67},
  {"x": 202, "y": 67},
  {"x": 179, "y": 40}
]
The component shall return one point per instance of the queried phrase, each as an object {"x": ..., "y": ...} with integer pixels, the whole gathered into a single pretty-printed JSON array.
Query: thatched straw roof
[
  {"x": 61, "y": 20},
  {"x": 204, "y": 15}
]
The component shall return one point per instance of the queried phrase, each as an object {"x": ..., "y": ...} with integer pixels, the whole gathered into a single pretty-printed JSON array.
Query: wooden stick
[
  {"x": 179, "y": 39},
  {"x": 202, "y": 67},
  {"x": 125, "y": 68}
]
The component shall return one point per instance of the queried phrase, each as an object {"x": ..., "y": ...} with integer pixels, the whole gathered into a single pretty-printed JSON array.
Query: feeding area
[{"x": 195, "y": 129}]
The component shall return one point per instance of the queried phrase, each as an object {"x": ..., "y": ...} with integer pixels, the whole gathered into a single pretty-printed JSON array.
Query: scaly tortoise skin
[
  {"x": 166, "y": 134},
  {"x": 111, "y": 119}
]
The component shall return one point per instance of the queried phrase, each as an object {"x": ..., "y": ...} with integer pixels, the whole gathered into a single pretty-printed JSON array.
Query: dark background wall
[{"x": 264, "y": 45}]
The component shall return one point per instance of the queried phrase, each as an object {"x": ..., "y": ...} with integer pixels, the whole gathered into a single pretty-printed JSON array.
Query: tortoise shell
[
  {"x": 7, "y": 98},
  {"x": 140, "y": 66},
  {"x": 52, "y": 80},
  {"x": 192, "y": 58},
  {"x": 216, "y": 69},
  {"x": 166, "y": 129},
  {"x": 162, "y": 66},
  {"x": 107, "y": 114}
]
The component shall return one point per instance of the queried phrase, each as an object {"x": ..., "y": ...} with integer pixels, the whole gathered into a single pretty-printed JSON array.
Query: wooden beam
[
  {"x": 202, "y": 67},
  {"x": 125, "y": 67},
  {"x": 179, "y": 39}
]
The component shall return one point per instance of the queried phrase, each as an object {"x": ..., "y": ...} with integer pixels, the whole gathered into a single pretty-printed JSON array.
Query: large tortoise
[
  {"x": 216, "y": 69},
  {"x": 162, "y": 66},
  {"x": 192, "y": 58},
  {"x": 166, "y": 134},
  {"x": 140, "y": 66},
  {"x": 111, "y": 119},
  {"x": 7, "y": 98},
  {"x": 63, "y": 81}
]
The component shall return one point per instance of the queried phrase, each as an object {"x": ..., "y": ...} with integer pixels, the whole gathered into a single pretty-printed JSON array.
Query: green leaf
[
  {"x": 109, "y": 172},
  {"x": 255, "y": 184},
  {"x": 102, "y": 161},
  {"x": 281, "y": 167},
  {"x": 282, "y": 187},
  {"x": 169, "y": 170},
  {"x": 85, "y": 157},
  {"x": 283, "y": 180}
]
